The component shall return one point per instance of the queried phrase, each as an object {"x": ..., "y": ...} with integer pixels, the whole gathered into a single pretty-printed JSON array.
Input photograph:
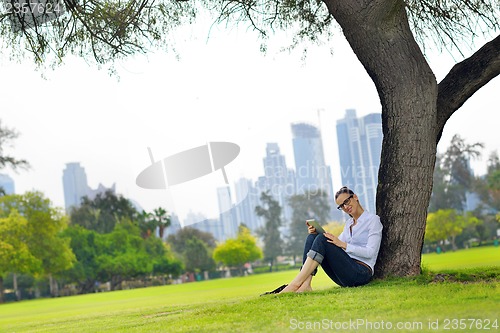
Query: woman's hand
[
  {"x": 335, "y": 240},
  {"x": 311, "y": 229}
]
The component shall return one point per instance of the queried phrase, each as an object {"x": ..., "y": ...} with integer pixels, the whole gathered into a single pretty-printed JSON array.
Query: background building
[
  {"x": 311, "y": 172},
  {"x": 247, "y": 198},
  {"x": 76, "y": 187},
  {"x": 7, "y": 183},
  {"x": 227, "y": 215},
  {"x": 279, "y": 180},
  {"x": 360, "y": 145}
]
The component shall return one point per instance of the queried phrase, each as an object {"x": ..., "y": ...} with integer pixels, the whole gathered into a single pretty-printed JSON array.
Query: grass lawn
[{"x": 468, "y": 299}]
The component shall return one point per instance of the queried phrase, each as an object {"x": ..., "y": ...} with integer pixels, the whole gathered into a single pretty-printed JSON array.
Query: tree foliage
[
  {"x": 149, "y": 222},
  {"x": 197, "y": 256},
  {"x": 236, "y": 252},
  {"x": 270, "y": 232},
  {"x": 161, "y": 219},
  {"x": 447, "y": 225},
  {"x": 15, "y": 254},
  {"x": 99, "y": 30},
  {"x": 180, "y": 239},
  {"x": 488, "y": 187},
  {"x": 453, "y": 176},
  {"x": 103, "y": 212},
  {"x": 195, "y": 247},
  {"x": 7, "y": 135},
  {"x": 43, "y": 233},
  {"x": 105, "y": 31},
  {"x": 117, "y": 256}
]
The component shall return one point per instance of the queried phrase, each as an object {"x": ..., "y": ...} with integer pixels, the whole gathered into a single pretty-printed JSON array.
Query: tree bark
[
  {"x": 380, "y": 36},
  {"x": 414, "y": 112}
]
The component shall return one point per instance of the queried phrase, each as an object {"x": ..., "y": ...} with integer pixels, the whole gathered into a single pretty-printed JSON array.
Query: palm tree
[
  {"x": 145, "y": 224},
  {"x": 161, "y": 219}
]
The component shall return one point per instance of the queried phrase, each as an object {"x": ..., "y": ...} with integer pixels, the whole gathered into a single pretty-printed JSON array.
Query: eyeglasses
[{"x": 346, "y": 202}]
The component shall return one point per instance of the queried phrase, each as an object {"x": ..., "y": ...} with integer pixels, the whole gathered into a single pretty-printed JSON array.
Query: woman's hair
[{"x": 343, "y": 189}]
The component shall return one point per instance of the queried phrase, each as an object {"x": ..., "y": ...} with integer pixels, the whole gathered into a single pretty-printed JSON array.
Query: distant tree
[
  {"x": 7, "y": 135},
  {"x": 43, "y": 232},
  {"x": 197, "y": 256},
  {"x": 164, "y": 261},
  {"x": 447, "y": 225},
  {"x": 145, "y": 224},
  {"x": 484, "y": 231},
  {"x": 270, "y": 233},
  {"x": 123, "y": 255},
  {"x": 179, "y": 240},
  {"x": 161, "y": 219},
  {"x": 453, "y": 176},
  {"x": 310, "y": 205},
  {"x": 441, "y": 197},
  {"x": 86, "y": 246},
  {"x": 488, "y": 187},
  {"x": 15, "y": 254},
  {"x": 236, "y": 252},
  {"x": 195, "y": 247},
  {"x": 117, "y": 256},
  {"x": 103, "y": 212}
]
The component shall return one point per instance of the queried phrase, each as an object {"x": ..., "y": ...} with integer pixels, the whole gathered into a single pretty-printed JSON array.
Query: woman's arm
[{"x": 373, "y": 240}]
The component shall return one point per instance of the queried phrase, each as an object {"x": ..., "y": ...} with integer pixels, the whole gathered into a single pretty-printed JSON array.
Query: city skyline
[
  {"x": 204, "y": 216},
  {"x": 233, "y": 93}
]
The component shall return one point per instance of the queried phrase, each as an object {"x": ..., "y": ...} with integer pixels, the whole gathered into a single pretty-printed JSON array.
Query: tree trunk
[
  {"x": 87, "y": 286},
  {"x": 1, "y": 290},
  {"x": 17, "y": 292},
  {"x": 54, "y": 288},
  {"x": 380, "y": 36},
  {"x": 453, "y": 244}
]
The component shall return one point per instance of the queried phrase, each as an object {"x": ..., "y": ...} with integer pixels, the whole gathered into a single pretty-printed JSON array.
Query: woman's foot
[
  {"x": 303, "y": 289},
  {"x": 306, "y": 286},
  {"x": 291, "y": 288},
  {"x": 304, "y": 277}
]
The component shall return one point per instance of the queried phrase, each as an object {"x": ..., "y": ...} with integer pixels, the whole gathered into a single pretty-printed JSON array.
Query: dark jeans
[{"x": 336, "y": 263}]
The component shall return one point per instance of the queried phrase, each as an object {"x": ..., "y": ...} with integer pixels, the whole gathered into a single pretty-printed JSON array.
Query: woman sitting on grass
[{"x": 349, "y": 259}]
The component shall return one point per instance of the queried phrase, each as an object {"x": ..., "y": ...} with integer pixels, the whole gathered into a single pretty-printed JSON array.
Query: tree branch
[{"x": 465, "y": 78}]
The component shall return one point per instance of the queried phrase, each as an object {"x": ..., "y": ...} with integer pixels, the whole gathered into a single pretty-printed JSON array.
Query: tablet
[{"x": 315, "y": 224}]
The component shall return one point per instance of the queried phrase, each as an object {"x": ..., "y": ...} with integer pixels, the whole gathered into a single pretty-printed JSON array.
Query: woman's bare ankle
[{"x": 291, "y": 288}]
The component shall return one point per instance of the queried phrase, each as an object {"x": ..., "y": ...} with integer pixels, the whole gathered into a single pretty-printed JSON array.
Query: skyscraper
[
  {"x": 360, "y": 145},
  {"x": 311, "y": 172},
  {"x": 226, "y": 212},
  {"x": 7, "y": 184},
  {"x": 279, "y": 180},
  {"x": 247, "y": 198},
  {"x": 75, "y": 185}
]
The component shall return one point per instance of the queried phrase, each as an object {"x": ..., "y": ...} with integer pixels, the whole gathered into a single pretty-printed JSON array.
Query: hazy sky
[{"x": 220, "y": 89}]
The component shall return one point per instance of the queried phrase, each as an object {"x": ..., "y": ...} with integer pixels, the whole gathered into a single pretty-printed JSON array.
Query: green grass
[
  {"x": 233, "y": 305},
  {"x": 474, "y": 257}
]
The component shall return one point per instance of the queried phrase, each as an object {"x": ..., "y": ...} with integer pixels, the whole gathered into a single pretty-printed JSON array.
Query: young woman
[{"x": 349, "y": 259}]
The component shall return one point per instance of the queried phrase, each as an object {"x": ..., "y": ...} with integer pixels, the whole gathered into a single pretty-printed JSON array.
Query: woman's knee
[{"x": 321, "y": 238}]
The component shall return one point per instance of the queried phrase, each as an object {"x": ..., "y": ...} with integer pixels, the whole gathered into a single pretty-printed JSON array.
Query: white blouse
[{"x": 364, "y": 242}]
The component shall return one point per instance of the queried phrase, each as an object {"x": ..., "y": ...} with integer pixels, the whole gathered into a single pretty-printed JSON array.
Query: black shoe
[{"x": 275, "y": 291}]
